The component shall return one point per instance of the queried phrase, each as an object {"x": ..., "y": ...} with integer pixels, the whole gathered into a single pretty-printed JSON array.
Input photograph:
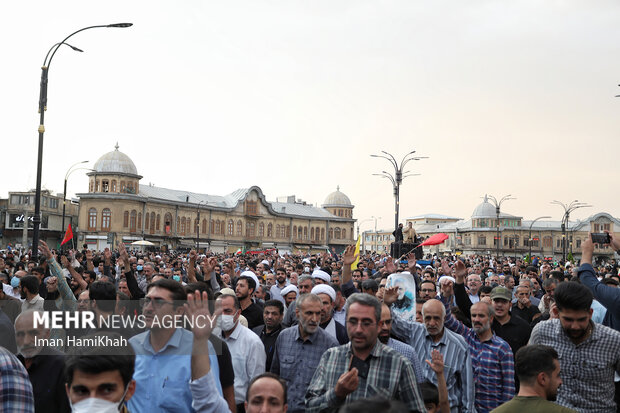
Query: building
[
  {"x": 478, "y": 235},
  {"x": 18, "y": 208},
  {"x": 118, "y": 208},
  {"x": 377, "y": 241}
]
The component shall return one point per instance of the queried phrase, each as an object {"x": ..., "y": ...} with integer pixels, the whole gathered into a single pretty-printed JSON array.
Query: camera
[{"x": 601, "y": 238}]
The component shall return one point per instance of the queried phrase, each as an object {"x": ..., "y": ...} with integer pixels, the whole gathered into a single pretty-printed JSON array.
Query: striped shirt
[
  {"x": 457, "y": 361},
  {"x": 587, "y": 369},
  {"x": 408, "y": 351},
  {"x": 390, "y": 376},
  {"x": 296, "y": 359},
  {"x": 493, "y": 365}
]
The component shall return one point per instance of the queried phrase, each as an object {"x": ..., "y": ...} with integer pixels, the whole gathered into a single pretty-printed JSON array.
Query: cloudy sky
[{"x": 293, "y": 96}]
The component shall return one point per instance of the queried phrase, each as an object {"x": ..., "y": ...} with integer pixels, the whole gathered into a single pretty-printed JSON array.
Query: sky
[{"x": 294, "y": 96}]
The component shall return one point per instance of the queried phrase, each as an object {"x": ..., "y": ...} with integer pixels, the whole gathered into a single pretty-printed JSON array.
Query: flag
[
  {"x": 357, "y": 252},
  {"x": 435, "y": 239},
  {"x": 68, "y": 235}
]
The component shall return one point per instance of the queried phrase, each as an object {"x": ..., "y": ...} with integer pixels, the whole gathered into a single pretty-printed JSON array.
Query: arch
[
  {"x": 204, "y": 226},
  {"x": 312, "y": 233},
  {"x": 217, "y": 227},
  {"x": 92, "y": 219},
  {"x": 261, "y": 229},
  {"x": 288, "y": 231},
  {"x": 239, "y": 228},
  {"x": 167, "y": 223},
  {"x": 140, "y": 220},
  {"x": 106, "y": 218},
  {"x": 270, "y": 230},
  {"x": 157, "y": 223},
  {"x": 278, "y": 231},
  {"x": 132, "y": 221},
  {"x": 113, "y": 187},
  {"x": 231, "y": 227},
  {"x": 147, "y": 221},
  {"x": 125, "y": 219},
  {"x": 105, "y": 185},
  {"x": 153, "y": 222},
  {"x": 331, "y": 234},
  {"x": 212, "y": 226},
  {"x": 337, "y": 233},
  {"x": 294, "y": 231},
  {"x": 222, "y": 225},
  {"x": 344, "y": 233}
]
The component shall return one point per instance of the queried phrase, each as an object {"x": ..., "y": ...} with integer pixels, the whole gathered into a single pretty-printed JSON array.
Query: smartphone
[
  {"x": 601, "y": 238},
  {"x": 361, "y": 366}
]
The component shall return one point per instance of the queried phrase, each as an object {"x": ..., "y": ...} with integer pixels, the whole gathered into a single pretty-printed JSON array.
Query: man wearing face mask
[
  {"x": 44, "y": 365},
  {"x": 246, "y": 348}
]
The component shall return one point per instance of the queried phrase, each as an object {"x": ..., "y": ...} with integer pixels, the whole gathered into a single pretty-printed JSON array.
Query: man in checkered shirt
[{"x": 589, "y": 353}]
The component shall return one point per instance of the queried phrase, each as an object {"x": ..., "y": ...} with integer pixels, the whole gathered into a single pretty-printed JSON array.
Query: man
[
  {"x": 305, "y": 285},
  {"x": 10, "y": 306},
  {"x": 538, "y": 370},
  {"x": 433, "y": 336},
  {"x": 245, "y": 347},
  {"x": 29, "y": 290},
  {"x": 16, "y": 388},
  {"x": 524, "y": 308},
  {"x": 428, "y": 290},
  {"x": 398, "y": 234},
  {"x": 331, "y": 327},
  {"x": 320, "y": 276},
  {"x": 163, "y": 353},
  {"x": 289, "y": 294},
  {"x": 409, "y": 234},
  {"x": 549, "y": 286},
  {"x": 281, "y": 283},
  {"x": 44, "y": 364},
  {"x": 299, "y": 349},
  {"x": 246, "y": 286},
  {"x": 492, "y": 358},
  {"x": 266, "y": 393},
  {"x": 473, "y": 285},
  {"x": 403, "y": 348},
  {"x": 589, "y": 353},
  {"x": 370, "y": 287},
  {"x": 352, "y": 371},
  {"x": 339, "y": 312},
  {"x": 270, "y": 280},
  {"x": 493, "y": 280},
  {"x": 269, "y": 332}
]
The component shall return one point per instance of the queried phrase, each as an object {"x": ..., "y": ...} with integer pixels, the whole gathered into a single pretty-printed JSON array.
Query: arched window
[
  {"x": 270, "y": 230},
  {"x": 132, "y": 221},
  {"x": 90, "y": 186},
  {"x": 331, "y": 234},
  {"x": 239, "y": 228},
  {"x": 288, "y": 231},
  {"x": 322, "y": 234},
  {"x": 140, "y": 220},
  {"x": 113, "y": 185},
  {"x": 305, "y": 232},
  {"x": 123, "y": 186},
  {"x": 178, "y": 227},
  {"x": 92, "y": 219},
  {"x": 344, "y": 233},
  {"x": 106, "y": 216},
  {"x": 261, "y": 230},
  {"x": 294, "y": 231},
  {"x": 147, "y": 221},
  {"x": 337, "y": 233},
  {"x": 97, "y": 186},
  {"x": 182, "y": 231},
  {"x": 299, "y": 232},
  {"x": 167, "y": 223},
  {"x": 250, "y": 229},
  {"x": 153, "y": 222},
  {"x": 312, "y": 233},
  {"x": 547, "y": 242},
  {"x": 231, "y": 227},
  {"x": 317, "y": 234},
  {"x": 217, "y": 227},
  {"x": 105, "y": 185},
  {"x": 212, "y": 227},
  {"x": 125, "y": 219},
  {"x": 221, "y": 229},
  {"x": 157, "y": 227},
  {"x": 204, "y": 226}
]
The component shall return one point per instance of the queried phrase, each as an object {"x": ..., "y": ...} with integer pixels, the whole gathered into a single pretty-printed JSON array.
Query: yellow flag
[{"x": 357, "y": 252}]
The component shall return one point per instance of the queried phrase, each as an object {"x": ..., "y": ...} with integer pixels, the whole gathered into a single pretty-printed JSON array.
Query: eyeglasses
[
  {"x": 353, "y": 322},
  {"x": 157, "y": 303}
]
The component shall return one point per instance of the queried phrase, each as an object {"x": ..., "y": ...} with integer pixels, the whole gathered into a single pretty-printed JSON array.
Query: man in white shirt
[{"x": 246, "y": 348}]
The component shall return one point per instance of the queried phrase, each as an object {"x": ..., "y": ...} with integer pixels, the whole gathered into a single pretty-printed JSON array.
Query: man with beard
[
  {"x": 589, "y": 353},
  {"x": 299, "y": 349},
  {"x": 492, "y": 358},
  {"x": 29, "y": 291},
  {"x": 281, "y": 283},
  {"x": 355, "y": 370},
  {"x": 538, "y": 370},
  {"x": 44, "y": 365},
  {"x": 305, "y": 285},
  {"x": 269, "y": 332},
  {"x": 328, "y": 297},
  {"x": 246, "y": 285}
]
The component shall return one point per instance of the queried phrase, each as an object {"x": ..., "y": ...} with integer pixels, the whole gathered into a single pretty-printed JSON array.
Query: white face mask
[
  {"x": 95, "y": 405},
  {"x": 227, "y": 322}
]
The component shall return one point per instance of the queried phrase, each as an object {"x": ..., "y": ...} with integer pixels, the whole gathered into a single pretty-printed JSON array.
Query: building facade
[
  {"x": 18, "y": 209},
  {"x": 118, "y": 208},
  {"x": 479, "y": 234}
]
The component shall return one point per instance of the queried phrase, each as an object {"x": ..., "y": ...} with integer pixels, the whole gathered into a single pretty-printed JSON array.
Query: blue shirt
[
  {"x": 163, "y": 377},
  {"x": 295, "y": 360},
  {"x": 408, "y": 351}
]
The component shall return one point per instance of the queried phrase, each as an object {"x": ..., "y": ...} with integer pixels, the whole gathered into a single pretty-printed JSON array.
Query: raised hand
[
  {"x": 349, "y": 255},
  {"x": 197, "y": 309},
  {"x": 460, "y": 272},
  {"x": 45, "y": 249},
  {"x": 347, "y": 383},
  {"x": 390, "y": 295},
  {"x": 445, "y": 267},
  {"x": 390, "y": 266},
  {"x": 436, "y": 362},
  {"x": 411, "y": 263}
]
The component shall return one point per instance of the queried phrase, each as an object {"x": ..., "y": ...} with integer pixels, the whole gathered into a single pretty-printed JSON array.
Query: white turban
[
  {"x": 324, "y": 289},
  {"x": 289, "y": 289},
  {"x": 322, "y": 275},
  {"x": 265, "y": 262},
  {"x": 252, "y": 276},
  {"x": 445, "y": 278}
]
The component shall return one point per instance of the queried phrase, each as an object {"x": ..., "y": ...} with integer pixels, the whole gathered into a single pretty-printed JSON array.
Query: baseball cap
[{"x": 501, "y": 293}]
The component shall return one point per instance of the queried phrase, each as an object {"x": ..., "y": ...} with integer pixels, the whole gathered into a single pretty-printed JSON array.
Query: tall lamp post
[
  {"x": 198, "y": 227},
  {"x": 498, "y": 206},
  {"x": 64, "y": 191},
  {"x": 42, "y": 108},
  {"x": 567, "y": 210},
  {"x": 398, "y": 176},
  {"x": 530, "y": 236}
]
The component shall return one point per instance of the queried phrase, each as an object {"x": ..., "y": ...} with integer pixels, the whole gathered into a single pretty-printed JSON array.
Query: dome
[
  {"x": 115, "y": 162},
  {"x": 485, "y": 210},
  {"x": 337, "y": 198}
]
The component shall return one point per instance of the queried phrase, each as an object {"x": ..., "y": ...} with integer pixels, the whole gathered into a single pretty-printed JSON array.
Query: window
[
  {"x": 217, "y": 228},
  {"x": 53, "y": 203},
  {"x": 547, "y": 242},
  {"x": 312, "y": 233},
  {"x": 167, "y": 223},
  {"x": 113, "y": 185},
  {"x": 196, "y": 224},
  {"x": 106, "y": 216},
  {"x": 467, "y": 240},
  {"x": 140, "y": 220},
  {"x": 123, "y": 186},
  {"x": 322, "y": 234},
  {"x": 557, "y": 243},
  {"x": 270, "y": 230},
  {"x": 204, "y": 226},
  {"x": 97, "y": 186},
  {"x": 157, "y": 225},
  {"x": 250, "y": 229},
  {"x": 294, "y": 231},
  {"x": 261, "y": 230},
  {"x": 299, "y": 233},
  {"x": 92, "y": 219},
  {"x": 331, "y": 233},
  {"x": 153, "y": 222},
  {"x": 125, "y": 219},
  {"x": 578, "y": 243},
  {"x": 288, "y": 231},
  {"x": 251, "y": 208},
  {"x": 221, "y": 229},
  {"x": 239, "y": 228},
  {"x": 482, "y": 240},
  {"x": 231, "y": 227},
  {"x": 132, "y": 221},
  {"x": 606, "y": 227},
  {"x": 182, "y": 230},
  {"x": 344, "y": 233},
  {"x": 90, "y": 186},
  {"x": 146, "y": 221},
  {"x": 317, "y": 234},
  {"x": 337, "y": 233},
  {"x": 105, "y": 185}
]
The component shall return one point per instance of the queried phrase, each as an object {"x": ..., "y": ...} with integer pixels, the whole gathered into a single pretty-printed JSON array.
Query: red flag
[
  {"x": 68, "y": 235},
  {"x": 435, "y": 239}
]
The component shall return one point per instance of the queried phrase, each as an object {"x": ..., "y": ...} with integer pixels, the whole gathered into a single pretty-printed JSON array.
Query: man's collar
[
  {"x": 174, "y": 341},
  {"x": 311, "y": 338}
]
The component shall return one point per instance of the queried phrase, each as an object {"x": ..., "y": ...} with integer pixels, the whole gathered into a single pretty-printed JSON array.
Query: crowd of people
[{"x": 307, "y": 332}]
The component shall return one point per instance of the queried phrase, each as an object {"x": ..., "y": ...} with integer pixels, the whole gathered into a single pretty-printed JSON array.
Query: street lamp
[
  {"x": 567, "y": 210},
  {"x": 498, "y": 205},
  {"x": 530, "y": 237},
  {"x": 42, "y": 108},
  {"x": 398, "y": 176},
  {"x": 198, "y": 226},
  {"x": 64, "y": 192}
]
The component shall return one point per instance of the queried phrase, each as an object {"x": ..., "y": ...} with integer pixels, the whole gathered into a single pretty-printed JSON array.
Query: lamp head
[{"x": 120, "y": 25}]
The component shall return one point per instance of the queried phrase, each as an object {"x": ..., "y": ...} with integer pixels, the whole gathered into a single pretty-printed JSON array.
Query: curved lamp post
[
  {"x": 530, "y": 236},
  {"x": 398, "y": 176},
  {"x": 64, "y": 191},
  {"x": 42, "y": 108},
  {"x": 498, "y": 206},
  {"x": 567, "y": 210}
]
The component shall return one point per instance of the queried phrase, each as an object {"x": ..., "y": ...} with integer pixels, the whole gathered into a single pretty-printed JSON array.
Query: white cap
[
  {"x": 253, "y": 276},
  {"x": 322, "y": 275},
  {"x": 324, "y": 289},
  {"x": 288, "y": 289}
]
